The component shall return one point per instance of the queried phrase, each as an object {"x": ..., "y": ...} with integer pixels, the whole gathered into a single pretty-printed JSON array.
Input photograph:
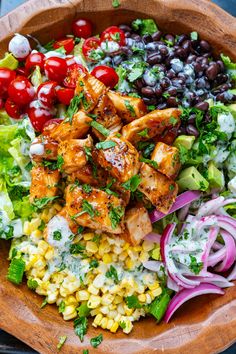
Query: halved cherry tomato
[
  {"x": 12, "y": 109},
  {"x": 73, "y": 73},
  {"x": 106, "y": 74},
  {"x": 21, "y": 91},
  {"x": 55, "y": 68},
  {"x": 65, "y": 95},
  {"x": 22, "y": 71},
  {"x": 82, "y": 28},
  {"x": 38, "y": 117},
  {"x": 89, "y": 45},
  {"x": 67, "y": 43},
  {"x": 6, "y": 77},
  {"x": 115, "y": 34},
  {"x": 46, "y": 93},
  {"x": 34, "y": 59}
]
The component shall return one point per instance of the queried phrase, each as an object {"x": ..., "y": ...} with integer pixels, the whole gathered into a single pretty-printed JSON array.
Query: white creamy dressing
[
  {"x": 58, "y": 223},
  {"x": 36, "y": 148},
  {"x": 54, "y": 53},
  {"x": 226, "y": 123},
  {"x": 110, "y": 46}
]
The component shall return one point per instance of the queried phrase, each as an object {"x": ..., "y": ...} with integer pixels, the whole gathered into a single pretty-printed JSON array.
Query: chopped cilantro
[
  {"x": 81, "y": 327},
  {"x": 144, "y": 26},
  {"x": 60, "y": 162},
  {"x": 148, "y": 161},
  {"x": 74, "y": 106},
  {"x": 151, "y": 107},
  {"x": 195, "y": 266},
  {"x": 166, "y": 95},
  {"x": 144, "y": 133},
  {"x": 105, "y": 145},
  {"x": 104, "y": 131},
  {"x": 40, "y": 203},
  {"x": 133, "y": 302},
  {"x": 76, "y": 248},
  {"x": 57, "y": 235},
  {"x": 44, "y": 303},
  {"x": 93, "y": 264},
  {"x": 83, "y": 310},
  {"x": 133, "y": 183},
  {"x": 171, "y": 187},
  {"x": 42, "y": 226},
  {"x": 136, "y": 71},
  {"x": 62, "y": 340},
  {"x": 96, "y": 341},
  {"x": 173, "y": 120},
  {"x": 122, "y": 325},
  {"x": 130, "y": 108},
  {"x": 86, "y": 188},
  {"x": 194, "y": 36},
  {"x": 115, "y": 3},
  {"x": 112, "y": 273},
  {"x": 62, "y": 307},
  {"x": 146, "y": 147},
  {"x": 32, "y": 284},
  {"x": 115, "y": 215},
  {"x": 87, "y": 208},
  {"x": 85, "y": 351}
]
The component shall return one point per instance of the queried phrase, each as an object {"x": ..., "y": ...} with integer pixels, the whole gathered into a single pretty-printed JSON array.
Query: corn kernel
[
  {"x": 95, "y": 312},
  {"x": 147, "y": 245},
  {"x": 91, "y": 247},
  {"x": 156, "y": 292},
  {"x": 128, "y": 311},
  {"x": 137, "y": 248},
  {"x": 118, "y": 299},
  {"x": 88, "y": 236},
  {"x": 117, "y": 318},
  {"x": 142, "y": 298},
  {"x": 71, "y": 300},
  {"x": 113, "y": 314},
  {"x": 97, "y": 319},
  {"x": 144, "y": 256},
  {"x": 49, "y": 254},
  {"x": 52, "y": 297},
  {"x": 128, "y": 326},
  {"x": 107, "y": 258},
  {"x": 154, "y": 286},
  {"x": 110, "y": 323},
  {"x": 94, "y": 301},
  {"x": 129, "y": 263},
  {"x": 107, "y": 299},
  {"x": 99, "y": 281},
  {"x": 82, "y": 295},
  {"x": 120, "y": 309},
  {"x": 104, "y": 310},
  {"x": 114, "y": 327},
  {"x": 103, "y": 323},
  {"x": 93, "y": 290}
]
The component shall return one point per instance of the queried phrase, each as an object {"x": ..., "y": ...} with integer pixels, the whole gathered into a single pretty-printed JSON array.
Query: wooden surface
[{"x": 204, "y": 325}]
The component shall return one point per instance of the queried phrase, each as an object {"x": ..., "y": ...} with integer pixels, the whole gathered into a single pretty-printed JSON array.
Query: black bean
[
  {"x": 161, "y": 105},
  {"x": 150, "y": 101},
  {"x": 172, "y": 101},
  {"x": 158, "y": 91},
  {"x": 221, "y": 78},
  {"x": 207, "y": 55},
  {"x": 191, "y": 58},
  {"x": 165, "y": 82},
  {"x": 169, "y": 58},
  {"x": 139, "y": 84},
  {"x": 192, "y": 130},
  {"x": 186, "y": 45},
  {"x": 170, "y": 38},
  {"x": 154, "y": 58},
  {"x": 200, "y": 83},
  {"x": 190, "y": 96},
  {"x": 197, "y": 67},
  {"x": 172, "y": 91},
  {"x": 177, "y": 83},
  {"x": 147, "y": 38},
  {"x": 194, "y": 44},
  {"x": 182, "y": 76},
  {"x": 205, "y": 46},
  {"x": 136, "y": 37},
  {"x": 182, "y": 130},
  {"x": 127, "y": 34},
  {"x": 171, "y": 74},
  {"x": 192, "y": 119},
  {"x": 163, "y": 51},
  {"x": 226, "y": 87},
  {"x": 181, "y": 53},
  {"x": 152, "y": 46},
  {"x": 125, "y": 28},
  {"x": 220, "y": 65},
  {"x": 207, "y": 117},
  {"x": 205, "y": 61},
  {"x": 221, "y": 97},
  {"x": 127, "y": 51},
  {"x": 147, "y": 91},
  {"x": 161, "y": 67},
  {"x": 203, "y": 106},
  {"x": 157, "y": 36},
  {"x": 212, "y": 71},
  {"x": 181, "y": 38}
]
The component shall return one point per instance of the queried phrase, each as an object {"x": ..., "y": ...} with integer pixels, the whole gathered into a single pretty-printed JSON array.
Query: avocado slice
[
  {"x": 191, "y": 179},
  {"x": 184, "y": 140},
  {"x": 215, "y": 176},
  {"x": 9, "y": 62}
]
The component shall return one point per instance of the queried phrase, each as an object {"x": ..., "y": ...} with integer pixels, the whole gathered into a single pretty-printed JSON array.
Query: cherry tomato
[
  {"x": 65, "y": 95},
  {"x": 115, "y": 34},
  {"x": 89, "y": 45},
  {"x": 6, "y": 77},
  {"x": 55, "y": 69},
  {"x": 106, "y": 74},
  {"x": 35, "y": 59},
  {"x": 2, "y": 104},
  {"x": 38, "y": 117},
  {"x": 82, "y": 28},
  {"x": 21, "y": 91},
  {"x": 12, "y": 109},
  {"x": 73, "y": 72},
  {"x": 67, "y": 43},
  {"x": 46, "y": 93},
  {"x": 22, "y": 71}
]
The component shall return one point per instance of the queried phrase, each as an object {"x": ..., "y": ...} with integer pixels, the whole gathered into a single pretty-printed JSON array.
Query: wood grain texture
[{"x": 205, "y": 325}]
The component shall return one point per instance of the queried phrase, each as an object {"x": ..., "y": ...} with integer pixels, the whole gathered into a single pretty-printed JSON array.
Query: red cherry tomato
[
  {"x": 54, "y": 121},
  {"x": 67, "y": 43},
  {"x": 46, "y": 93},
  {"x": 12, "y": 109},
  {"x": 22, "y": 71},
  {"x": 2, "y": 103},
  {"x": 82, "y": 28},
  {"x": 55, "y": 69},
  {"x": 6, "y": 77},
  {"x": 65, "y": 95},
  {"x": 115, "y": 34},
  {"x": 35, "y": 59},
  {"x": 73, "y": 72},
  {"x": 38, "y": 117},
  {"x": 21, "y": 91},
  {"x": 106, "y": 74},
  {"x": 89, "y": 45}
]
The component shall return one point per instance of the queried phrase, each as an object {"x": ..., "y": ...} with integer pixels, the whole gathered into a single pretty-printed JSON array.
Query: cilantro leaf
[
  {"x": 149, "y": 162},
  {"x": 81, "y": 327},
  {"x": 136, "y": 71},
  {"x": 115, "y": 215},
  {"x": 57, "y": 235},
  {"x": 144, "y": 133},
  {"x": 32, "y": 284},
  {"x": 76, "y": 248},
  {"x": 112, "y": 273},
  {"x": 96, "y": 341},
  {"x": 133, "y": 302},
  {"x": 105, "y": 145},
  {"x": 195, "y": 266},
  {"x": 104, "y": 131},
  {"x": 62, "y": 307},
  {"x": 132, "y": 184},
  {"x": 74, "y": 106},
  {"x": 115, "y": 3},
  {"x": 40, "y": 203},
  {"x": 62, "y": 340},
  {"x": 86, "y": 188},
  {"x": 130, "y": 108}
]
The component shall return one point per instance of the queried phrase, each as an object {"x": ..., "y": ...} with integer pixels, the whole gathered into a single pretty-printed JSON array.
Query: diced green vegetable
[
  {"x": 16, "y": 270},
  {"x": 191, "y": 179},
  {"x": 158, "y": 307},
  {"x": 83, "y": 310}
]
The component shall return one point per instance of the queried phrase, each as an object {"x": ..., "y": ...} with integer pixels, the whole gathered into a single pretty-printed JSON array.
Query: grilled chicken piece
[
  {"x": 96, "y": 209},
  {"x": 89, "y": 174},
  {"x": 154, "y": 123},
  {"x": 74, "y": 154},
  {"x": 159, "y": 189},
  {"x": 77, "y": 129},
  {"x": 122, "y": 160},
  {"x": 43, "y": 147},
  {"x": 128, "y": 108},
  {"x": 44, "y": 183},
  {"x": 167, "y": 159},
  {"x": 113, "y": 186},
  {"x": 168, "y": 136},
  {"x": 138, "y": 225},
  {"x": 90, "y": 89},
  {"x": 106, "y": 115}
]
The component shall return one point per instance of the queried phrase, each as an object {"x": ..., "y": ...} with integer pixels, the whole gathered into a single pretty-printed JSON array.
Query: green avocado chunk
[
  {"x": 191, "y": 179},
  {"x": 184, "y": 140},
  {"x": 215, "y": 176}
]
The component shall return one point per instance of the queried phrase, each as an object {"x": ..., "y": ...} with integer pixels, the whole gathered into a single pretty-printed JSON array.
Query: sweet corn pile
[{"x": 103, "y": 294}]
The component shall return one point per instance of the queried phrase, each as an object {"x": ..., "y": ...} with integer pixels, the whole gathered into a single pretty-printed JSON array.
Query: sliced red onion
[
  {"x": 228, "y": 219},
  {"x": 215, "y": 279},
  {"x": 165, "y": 239},
  {"x": 171, "y": 284},
  {"x": 187, "y": 294},
  {"x": 154, "y": 266},
  {"x": 182, "y": 200},
  {"x": 211, "y": 239},
  {"x": 216, "y": 257},
  {"x": 232, "y": 274},
  {"x": 226, "y": 225},
  {"x": 230, "y": 253},
  {"x": 183, "y": 212},
  {"x": 217, "y": 245},
  {"x": 153, "y": 237},
  {"x": 181, "y": 280},
  {"x": 209, "y": 207}
]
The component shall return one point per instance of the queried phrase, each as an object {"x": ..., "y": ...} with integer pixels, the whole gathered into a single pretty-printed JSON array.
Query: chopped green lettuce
[
  {"x": 230, "y": 66},
  {"x": 144, "y": 26}
]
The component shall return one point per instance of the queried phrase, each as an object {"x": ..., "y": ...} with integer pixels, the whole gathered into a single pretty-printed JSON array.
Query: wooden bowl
[{"x": 204, "y": 325}]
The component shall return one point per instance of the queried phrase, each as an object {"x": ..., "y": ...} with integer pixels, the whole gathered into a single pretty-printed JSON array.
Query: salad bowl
[{"x": 206, "y": 324}]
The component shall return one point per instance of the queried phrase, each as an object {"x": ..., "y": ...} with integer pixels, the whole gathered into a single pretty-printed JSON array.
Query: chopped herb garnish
[
  {"x": 42, "y": 226},
  {"x": 112, "y": 273},
  {"x": 76, "y": 248},
  {"x": 62, "y": 307},
  {"x": 57, "y": 235},
  {"x": 74, "y": 106},
  {"x": 171, "y": 187},
  {"x": 85, "y": 351},
  {"x": 83, "y": 310},
  {"x": 148, "y": 161},
  {"x": 16, "y": 270},
  {"x": 96, "y": 239},
  {"x": 60, "y": 162},
  {"x": 96, "y": 341},
  {"x": 86, "y": 188},
  {"x": 91, "y": 115},
  {"x": 115, "y": 215},
  {"x": 105, "y": 145},
  {"x": 132, "y": 302},
  {"x": 144, "y": 133},
  {"x": 104, "y": 131},
  {"x": 44, "y": 303},
  {"x": 32, "y": 284},
  {"x": 133, "y": 183},
  {"x": 194, "y": 36},
  {"x": 130, "y": 108},
  {"x": 40, "y": 203},
  {"x": 122, "y": 325},
  {"x": 146, "y": 147},
  {"x": 173, "y": 120},
  {"x": 166, "y": 95},
  {"x": 62, "y": 340},
  {"x": 52, "y": 165},
  {"x": 151, "y": 108},
  {"x": 137, "y": 70},
  {"x": 195, "y": 266},
  {"x": 93, "y": 264},
  {"x": 87, "y": 208},
  {"x": 48, "y": 152},
  {"x": 81, "y": 327},
  {"x": 115, "y": 3}
]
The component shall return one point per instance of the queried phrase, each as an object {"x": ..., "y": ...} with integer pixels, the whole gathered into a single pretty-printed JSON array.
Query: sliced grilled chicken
[
  {"x": 75, "y": 129},
  {"x": 95, "y": 209},
  {"x": 152, "y": 124},
  {"x": 138, "y": 225},
  {"x": 73, "y": 153},
  {"x": 43, "y": 147},
  {"x": 128, "y": 108},
  {"x": 167, "y": 159},
  {"x": 112, "y": 185},
  {"x": 44, "y": 183},
  {"x": 89, "y": 89},
  {"x": 72, "y": 224},
  {"x": 121, "y": 160},
  {"x": 159, "y": 189},
  {"x": 106, "y": 115}
]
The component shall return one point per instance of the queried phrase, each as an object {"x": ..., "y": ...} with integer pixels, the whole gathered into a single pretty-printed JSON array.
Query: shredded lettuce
[{"x": 230, "y": 66}]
